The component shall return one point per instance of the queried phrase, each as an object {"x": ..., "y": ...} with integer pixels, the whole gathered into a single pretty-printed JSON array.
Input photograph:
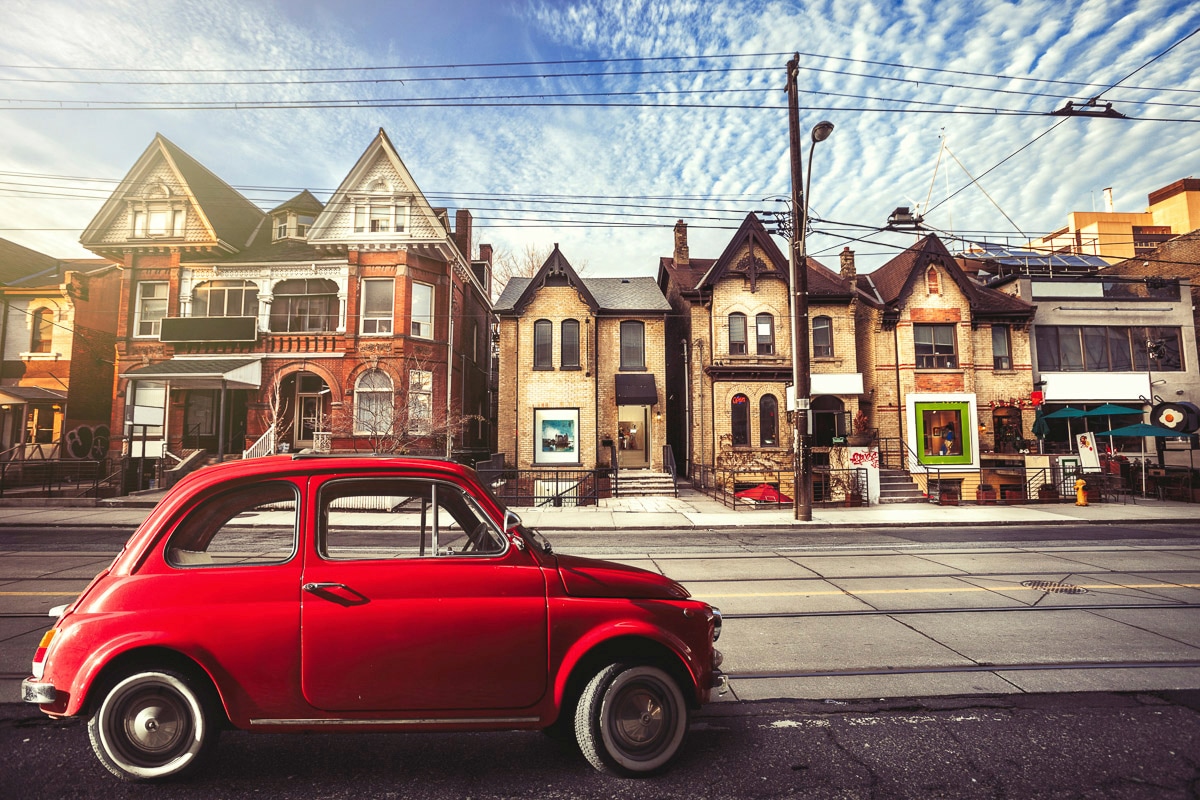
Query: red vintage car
[{"x": 296, "y": 593}]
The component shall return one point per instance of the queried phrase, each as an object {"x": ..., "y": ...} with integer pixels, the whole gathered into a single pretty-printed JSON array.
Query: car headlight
[{"x": 715, "y": 615}]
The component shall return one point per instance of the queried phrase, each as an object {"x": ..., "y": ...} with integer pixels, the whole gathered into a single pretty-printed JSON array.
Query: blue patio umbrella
[
  {"x": 1068, "y": 413},
  {"x": 1110, "y": 410},
  {"x": 1040, "y": 428}
]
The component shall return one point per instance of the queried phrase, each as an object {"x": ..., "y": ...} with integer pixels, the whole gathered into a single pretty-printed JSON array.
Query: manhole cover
[{"x": 1054, "y": 587}]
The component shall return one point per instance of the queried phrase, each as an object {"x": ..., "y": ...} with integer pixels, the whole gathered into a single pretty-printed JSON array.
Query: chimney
[
  {"x": 462, "y": 231},
  {"x": 483, "y": 267},
  {"x": 1108, "y": 203},
  {"x": 681, "y": 245},
  {"x": 849, "y": 272},
  {"x": 485, "y": 253}
]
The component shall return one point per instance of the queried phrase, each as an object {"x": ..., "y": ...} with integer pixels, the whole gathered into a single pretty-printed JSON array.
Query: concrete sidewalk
[{"x": 693, "y": 511}]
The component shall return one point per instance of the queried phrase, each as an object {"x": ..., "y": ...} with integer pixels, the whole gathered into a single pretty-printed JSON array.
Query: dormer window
[
  {"x": 381, "y": 210},
  {"x": 157, "y": 214},
  {"x": 290, "y": 225}
]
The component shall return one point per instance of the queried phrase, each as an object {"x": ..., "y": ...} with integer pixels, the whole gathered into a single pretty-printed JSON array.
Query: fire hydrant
[{"x": 1080, "y": 492}]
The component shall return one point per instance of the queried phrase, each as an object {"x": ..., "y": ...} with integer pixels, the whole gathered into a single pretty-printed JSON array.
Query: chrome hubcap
[
  {"x": 154, "y": 726},
  {"x": 640, "y": 717}
]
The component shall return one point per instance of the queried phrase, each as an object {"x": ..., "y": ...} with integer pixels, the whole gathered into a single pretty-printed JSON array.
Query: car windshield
[{"x": 513, "y": 520}]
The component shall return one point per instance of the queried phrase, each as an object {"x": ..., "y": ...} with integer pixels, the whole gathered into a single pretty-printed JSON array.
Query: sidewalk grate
[{"x": 1054, "y": 587}]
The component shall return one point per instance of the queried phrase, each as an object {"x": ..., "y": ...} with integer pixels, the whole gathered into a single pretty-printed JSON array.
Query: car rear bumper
[{"x": 35, "y": 691}]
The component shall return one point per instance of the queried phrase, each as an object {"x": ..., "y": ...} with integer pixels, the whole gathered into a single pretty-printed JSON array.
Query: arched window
[
  {"x": 569, "y": 344},
  {"x": 931, "y": 281},
  {"x": 764, "y": 325},
  {"x": 739, "y": 420},
  {"x": 543, "y": 344},
  {"x": 633, "y": 345},
  {"x": 43, "y": 331},
  {"x": 737, "y": 334},
  {"x": 225, "y": 299},
  {"x": 768, "y": 421},
  {"x": 304, "y": 305},
  {"x": 374, "y": 410},
  {"x": 822, "y": 337}
]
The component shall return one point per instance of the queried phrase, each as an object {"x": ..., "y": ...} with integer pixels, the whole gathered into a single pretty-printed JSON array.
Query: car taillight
[{"x": 39, "y": 658}]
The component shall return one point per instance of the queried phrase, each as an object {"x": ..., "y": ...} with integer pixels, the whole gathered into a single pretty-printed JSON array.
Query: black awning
[{"x": 636, "y": 390}]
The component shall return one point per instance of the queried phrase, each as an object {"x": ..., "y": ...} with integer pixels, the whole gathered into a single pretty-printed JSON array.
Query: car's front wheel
[
  {"x": 155, "y": 725},
  {"x": 631, "y": 720}
]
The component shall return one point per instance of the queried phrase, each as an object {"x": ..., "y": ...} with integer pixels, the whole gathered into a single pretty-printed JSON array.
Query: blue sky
[{"x": 699, "y": 133}]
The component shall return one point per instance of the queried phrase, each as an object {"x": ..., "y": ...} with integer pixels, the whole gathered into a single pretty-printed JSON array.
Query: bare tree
[
  {"x": 524, "y": 263},
  {"x": 394, "y": 412}
]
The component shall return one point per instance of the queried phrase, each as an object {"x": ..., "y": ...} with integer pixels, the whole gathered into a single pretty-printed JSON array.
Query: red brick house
[{"x": 358, "y": 324}]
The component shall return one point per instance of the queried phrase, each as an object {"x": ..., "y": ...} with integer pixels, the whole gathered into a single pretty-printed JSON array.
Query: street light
[{"x": 798, "y": 273}]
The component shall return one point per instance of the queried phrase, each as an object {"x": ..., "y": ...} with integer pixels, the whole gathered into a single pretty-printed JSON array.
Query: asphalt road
[
  {"x": 1005, "y": 689},
  {"x": 18, "y": 538},
  {"x": 1058, "y": 746}
]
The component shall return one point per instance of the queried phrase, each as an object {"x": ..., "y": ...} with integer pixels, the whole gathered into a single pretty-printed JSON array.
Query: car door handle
[
  {"x": 338, "y": 593},
  {"x": 323, "y": 587}
]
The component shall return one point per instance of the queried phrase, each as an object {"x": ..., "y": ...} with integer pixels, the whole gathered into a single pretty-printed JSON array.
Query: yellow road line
[{"x": 965, "y": 589}]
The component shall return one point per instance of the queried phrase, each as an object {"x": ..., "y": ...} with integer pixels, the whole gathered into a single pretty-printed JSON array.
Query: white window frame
[
  {"x": 393, "y": 212},
  {"x": 421, "y": 325},
  {"x": 420, "y": 402},
  {"x": 140, "y": 316},
  {"x": 377, "y": 401},
  {"x": 378, "y": 324}
]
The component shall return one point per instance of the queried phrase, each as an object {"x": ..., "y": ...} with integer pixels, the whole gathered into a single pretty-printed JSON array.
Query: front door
[
  {"x": 310, "y": 408},
  {"x": 633, "y": 437},
  {"x": 399, "y": 613}
]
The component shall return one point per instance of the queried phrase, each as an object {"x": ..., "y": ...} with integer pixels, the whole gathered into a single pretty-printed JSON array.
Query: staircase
[
  {"x": 644, "y": 483},
  {"x": 896, "y": 486}
]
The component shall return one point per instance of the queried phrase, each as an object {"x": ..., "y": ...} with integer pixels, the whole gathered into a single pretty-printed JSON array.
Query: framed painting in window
[{"x": 556, "y": 436}]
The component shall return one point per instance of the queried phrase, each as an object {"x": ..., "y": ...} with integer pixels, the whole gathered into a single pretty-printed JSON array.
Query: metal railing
[
  {"x": 670, "y": 468},
  {"x": 53, "y": 477},
  {"x": 265, "y": 445},
  {"x": 543, "y": 488},
  {"x": 759, "y": 489}
]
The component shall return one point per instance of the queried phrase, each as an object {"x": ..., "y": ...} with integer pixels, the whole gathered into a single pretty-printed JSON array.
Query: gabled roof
[
  {"x": 17, "y": 262},
  {"x": 892, "y": 283},
  {"x": 750, "y": 233},
  {"x": 303, "y": 203},
  {"x": 700, "y": 274},
  {"x": 602, "y": 295},
  {"x": 379, "y": 162},
  {"x": 224, "y": 213}
]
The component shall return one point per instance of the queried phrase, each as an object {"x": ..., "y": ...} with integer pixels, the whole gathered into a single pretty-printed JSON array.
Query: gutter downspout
[
  {"x": 899, "y": 395},
  {"x": 517, "y": 398},
  {"x": 687, "y": 408},
  {"x": 449, "y": 365}
]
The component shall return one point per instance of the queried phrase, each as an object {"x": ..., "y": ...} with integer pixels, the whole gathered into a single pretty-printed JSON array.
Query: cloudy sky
[{"x": 598, "y": 123}]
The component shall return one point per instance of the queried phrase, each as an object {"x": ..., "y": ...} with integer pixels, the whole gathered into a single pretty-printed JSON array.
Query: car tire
[
  {"x": 631, "y": 720},
  {"x": 155, "y": 725}
]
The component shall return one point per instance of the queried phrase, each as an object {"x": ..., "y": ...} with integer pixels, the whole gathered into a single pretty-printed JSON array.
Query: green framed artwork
[{"x": 944, "y": 433}]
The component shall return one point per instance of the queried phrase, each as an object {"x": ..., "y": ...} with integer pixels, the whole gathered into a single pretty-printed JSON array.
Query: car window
[
  {"x": 249, "y": 525},
  {"x": 374, "y": 518}
]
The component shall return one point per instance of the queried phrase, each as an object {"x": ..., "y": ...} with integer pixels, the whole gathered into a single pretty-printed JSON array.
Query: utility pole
[{"x": 798, "y": 274}]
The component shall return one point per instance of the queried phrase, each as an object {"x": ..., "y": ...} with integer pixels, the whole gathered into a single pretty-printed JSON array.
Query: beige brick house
[
  {"x": 582, "y": 364},
  {"x": 947, "y": 364},
  {"x": 730, "y": 357}
]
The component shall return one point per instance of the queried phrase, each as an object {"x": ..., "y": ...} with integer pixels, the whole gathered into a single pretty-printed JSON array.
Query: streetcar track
[
  {"x": 961, "y": 668},
  {"x": 869, "y": 612}
]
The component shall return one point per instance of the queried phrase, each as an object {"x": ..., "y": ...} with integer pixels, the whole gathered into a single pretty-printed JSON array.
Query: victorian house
[
  {"x": 359, "y": 323},
  {"x": 581, "y": 370},
  {"x": 729, "y": 363},
  {"x": 56, "y": 339},
  {"x": 947, "y": 369}
]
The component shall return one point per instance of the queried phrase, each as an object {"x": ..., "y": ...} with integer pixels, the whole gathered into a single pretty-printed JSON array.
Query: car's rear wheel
[
  {"x": 631, "y": 720},
  {"x": 155, "y": 725}
]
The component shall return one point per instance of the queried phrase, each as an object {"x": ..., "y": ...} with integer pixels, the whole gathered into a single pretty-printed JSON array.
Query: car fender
[
  {"x": 97, "y": 660},
  {"x": 612, "y": 631}
]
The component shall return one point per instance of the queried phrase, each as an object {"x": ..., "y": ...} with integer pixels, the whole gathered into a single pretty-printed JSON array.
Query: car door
[{"x": 413, "y": 600}]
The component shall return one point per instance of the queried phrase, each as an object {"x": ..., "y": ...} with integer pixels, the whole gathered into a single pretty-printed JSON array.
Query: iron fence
[
  {"x": 545, "y": 488},
  {"x": 55, "y": 478}
]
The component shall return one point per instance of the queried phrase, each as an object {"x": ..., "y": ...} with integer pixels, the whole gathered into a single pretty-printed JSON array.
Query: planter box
[{"x": 985, "y": 498}]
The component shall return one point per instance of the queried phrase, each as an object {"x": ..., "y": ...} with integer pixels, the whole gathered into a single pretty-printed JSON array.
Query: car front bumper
[{"x": 35, "y": 691}]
